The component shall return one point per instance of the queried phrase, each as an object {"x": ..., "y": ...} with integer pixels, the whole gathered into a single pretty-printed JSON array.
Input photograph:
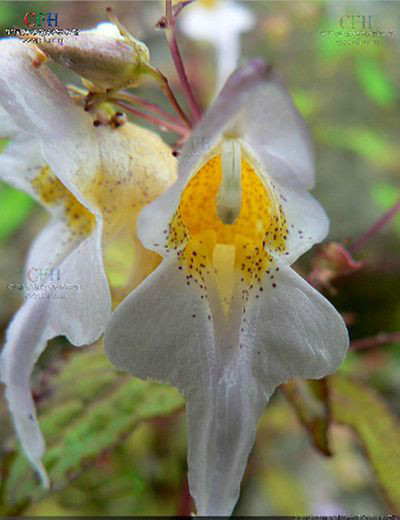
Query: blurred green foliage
[
  {"x": 15, "y": 207},
  {"x": 376, "y": 85},
  {"x": 357, "y": 406},
  {"x": 89, "y": 408}
]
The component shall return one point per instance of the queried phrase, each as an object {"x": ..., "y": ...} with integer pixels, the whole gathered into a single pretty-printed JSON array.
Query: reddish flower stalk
[
  {"x": 127, "y": 96},
  {"x": 171, "y": 97},
  {"x": 375, "y": 228},
  {"x": 375, "y": 341},
  {"x": 180, "y": 68},
  {"x": 161, "y": 123}
]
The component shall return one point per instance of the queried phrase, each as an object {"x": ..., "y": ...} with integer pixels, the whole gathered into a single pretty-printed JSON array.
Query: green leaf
[
  {"x": 90, "y": 408},
  {"x": 360, "y": 408},
  {"x": 15, "y": 207},
  {"x": 374, "y": 82},
  {"x": 310, "y": 401}
]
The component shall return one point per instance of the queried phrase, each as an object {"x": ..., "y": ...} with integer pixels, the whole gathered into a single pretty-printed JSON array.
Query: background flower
[{"x": 219, "y": 22}]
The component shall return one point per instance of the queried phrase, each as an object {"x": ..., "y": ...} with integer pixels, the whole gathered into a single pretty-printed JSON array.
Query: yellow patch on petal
[
  {"x": 52, "y": 191},
  {"x": 261, "y": 223},
  {"x": 136, "y": 166},
  {"x": 224, "y": 263}
]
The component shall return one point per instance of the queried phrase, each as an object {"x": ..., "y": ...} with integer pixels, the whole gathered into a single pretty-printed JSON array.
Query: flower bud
[{"x": 107, "y": 61}]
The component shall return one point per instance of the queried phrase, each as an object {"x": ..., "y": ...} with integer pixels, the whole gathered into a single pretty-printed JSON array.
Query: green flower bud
[{"x": 109, "y": 62}]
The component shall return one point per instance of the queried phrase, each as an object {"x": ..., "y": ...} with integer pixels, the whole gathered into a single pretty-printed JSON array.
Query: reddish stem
[
  {"x": 177, "y": 58},
  {"x": 171, "y": 96},
  {"x": 126, "y": 96},
  {"x": 375, "y": 341},
  {"x": 165, "y": 125},
  {"x": 375, "y": 228}
]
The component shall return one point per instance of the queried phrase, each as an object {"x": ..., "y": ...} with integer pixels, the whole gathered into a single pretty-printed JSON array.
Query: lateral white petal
[
  {"x": 162, "y": 331},
  {"x": 293, "y": 331},
  {"x": 53, "y": 244},
  {"x": 37, "y": 102},
  {"x": 154, "y": 219},
  {"x": 77, "y": 306},
  {"x": 307, "y": 221}
]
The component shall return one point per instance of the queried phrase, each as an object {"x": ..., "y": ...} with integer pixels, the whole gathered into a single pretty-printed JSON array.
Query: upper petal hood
[{"x": 255, "y": 106}]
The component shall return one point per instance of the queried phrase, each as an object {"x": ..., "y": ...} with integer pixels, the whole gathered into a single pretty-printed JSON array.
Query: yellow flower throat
[{"x": 236, "y": 248}]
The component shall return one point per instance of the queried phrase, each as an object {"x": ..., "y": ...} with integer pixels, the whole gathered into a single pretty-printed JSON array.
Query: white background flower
[{"x": 219, "y": 22}]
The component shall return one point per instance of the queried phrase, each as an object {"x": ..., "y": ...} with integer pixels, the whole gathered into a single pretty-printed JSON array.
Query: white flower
[
  {"x": 221, "y": 23},
  {"x": 224, "y": 318},
  {"x": 93, "y": 180}
]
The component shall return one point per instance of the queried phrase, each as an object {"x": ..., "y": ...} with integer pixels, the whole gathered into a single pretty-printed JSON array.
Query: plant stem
[
  {"x": 376, "y": 341},
  {"x": 163, "y": 82},
  {"x": 375, "y": 228},
  {"x": 177, "y": 58},
  {"x": 171, "y": 96},
  {"x": 164, "y": 125}
]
